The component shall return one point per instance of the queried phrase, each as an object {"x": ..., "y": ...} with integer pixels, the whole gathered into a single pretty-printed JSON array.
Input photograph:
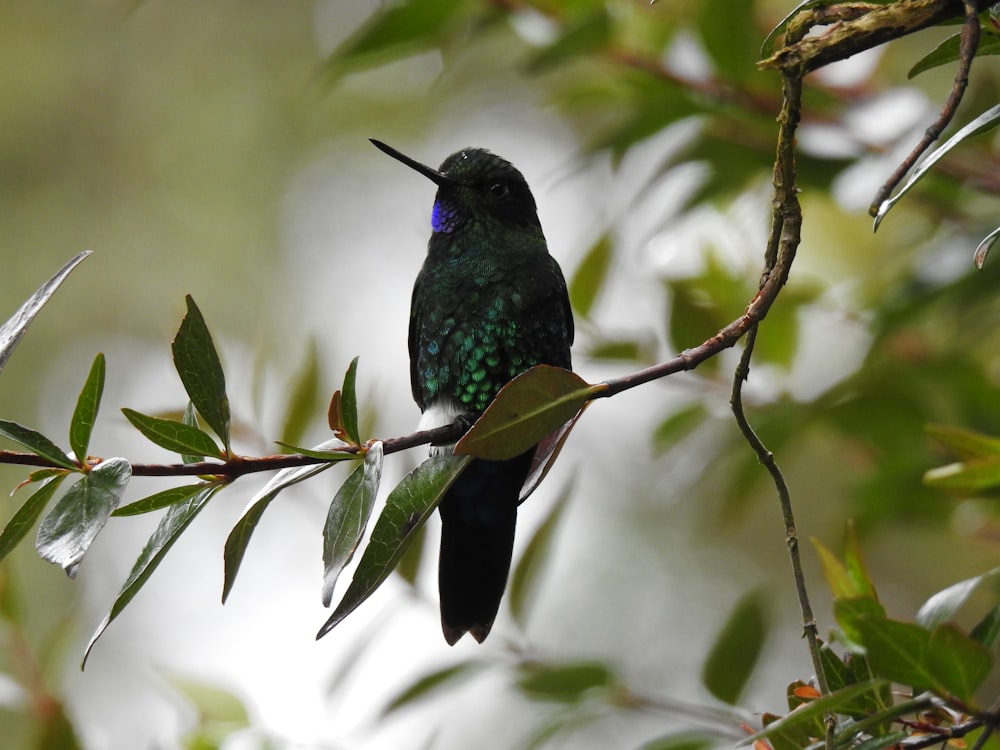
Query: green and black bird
[{"x": 488, "y": 304}]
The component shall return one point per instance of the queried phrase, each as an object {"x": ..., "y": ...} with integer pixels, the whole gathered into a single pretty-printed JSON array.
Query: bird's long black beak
[{"x": 438, "y": 178}]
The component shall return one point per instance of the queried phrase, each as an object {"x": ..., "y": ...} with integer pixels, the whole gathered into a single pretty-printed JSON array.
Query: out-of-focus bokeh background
[{"x": 220, "y": 150}]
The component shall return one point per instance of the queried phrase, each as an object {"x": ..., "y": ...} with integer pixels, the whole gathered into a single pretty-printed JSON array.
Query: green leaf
[
  {"x": 972, "y": 475},
  {"x": 736, "y": 650},
  {"x": 87, "y": 405},
  {"x": 958, "y": 662},
  {"x": 849, "y": 610},
  {"x": 987, "y": 630},
  {"x": 948, "y": 52},
  {"x": 840, "y": 674},
  {"x": 407, "y": 508},
  {"x": 850, "y": 578},
  {"x": 396, "y": 31},
  {"x": 347, "y": 518},
  {"x": 215, "y": 705},
  {"x": 965, "y": 443},
  {"x": 13, "y": 330},
  {"x": 428, "y": 683},
  {"x": 984, "y": 122},
  {"x": 25, "y": 517},
  {"x": 896, "y": 650},
  {"x": 854, "y": 564},
  {"x": 171, "y": 526},
  {"x": 525, "y": 581},
  {"x": 304, "y": 397},
  {"x": 590, "y": 276},
  {"x": 679, "y": 425},
  {"x": 409, "y": 565},
  {"x": 527, "y": 409},
  {"x": 37, "y": 443},
  {"x": 565, "y": 683},
  {"x": 69, "y": 529},
  {"x": 585, "y": 37},
  {"x": 190, "y": 418},
  {"x": 239, "y": 537},
  {"x": 335, "y": 452},
  {"x": 160, "y": 500},
  {"x": 809, "y": 712},
  {"x": 200, "y": 370},
  {"x": 943, "y": 605},
  {"x": 174, "y": 436},
  {"x": 349, "y": 403}
]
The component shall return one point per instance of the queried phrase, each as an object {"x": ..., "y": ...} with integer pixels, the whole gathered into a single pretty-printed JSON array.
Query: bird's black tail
[{"x": 478, "y": 516}]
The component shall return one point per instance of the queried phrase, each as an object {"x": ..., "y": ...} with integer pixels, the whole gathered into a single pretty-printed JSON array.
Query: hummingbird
[{"x": 488, "y": 304}]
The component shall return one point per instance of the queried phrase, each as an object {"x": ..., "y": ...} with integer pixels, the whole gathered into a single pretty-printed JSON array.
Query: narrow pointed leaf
[
  {"x": 987, "y": 630},
  {"x": 736, "y": 650},
  {"x": 336, "y": 451},
  {"x": 174, "y": 436},
  {"x": 809, "y": 712},
  {"x": 200, "y": 370},
  {"x": 527, "y": 409},
  {"x": 983, "y": 248},
  {"x": 949, "y": 51},
  {"x": 160, "y": 500},
  {"x": 69, "y": 529},
  {"x": 986, "y": 121},
  {"x": 428, "y": 683},
  {"x": 943, "y": 605},
  {"x": 349, "y": 403},
  {"x": 37, "y": 443},
  {"x": 973, "y": 475},
  {"x": 348, "y": 517},
  {"x": 408, "y": 506},
  {"x": 834, "y": 571},
  {"x": 965, "y": 443},
  {"x": 303, "y": 397},
  {"x": 565, "y": 683},
  {"x": 525, "y": 582},
  {"x": 22, "y": 521},
  {"x": 854, "y": 564},
  {"x": 39, "y": 476},
  {"x": 335, "y": 414},
  {"x": 87, "y": 405},
  {"x": 239, "y": 537},
  {"x": 171, "y": 526},
  {"x": 12, "y": 331}
]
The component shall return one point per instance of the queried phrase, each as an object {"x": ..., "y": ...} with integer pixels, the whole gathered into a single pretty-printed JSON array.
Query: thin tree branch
[
  {"x": 786, "y": 222},
  {"x": 967, "y": 51},
  {"x": 241, "y": 465},
  {"x": 847, "y": 38}
]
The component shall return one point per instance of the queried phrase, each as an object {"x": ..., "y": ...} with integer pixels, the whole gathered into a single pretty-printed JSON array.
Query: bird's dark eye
[{"x": 499, "y": 189}]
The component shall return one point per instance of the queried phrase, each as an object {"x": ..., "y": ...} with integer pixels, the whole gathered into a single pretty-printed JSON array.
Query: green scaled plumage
[{"x": 488, "y": 304}]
